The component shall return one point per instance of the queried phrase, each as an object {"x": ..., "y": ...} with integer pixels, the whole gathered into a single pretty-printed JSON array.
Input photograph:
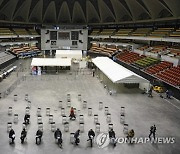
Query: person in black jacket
[
  {"x": 58, "y": 136},
  {"x": 112, "y": 137},
  {"x": 152, "y": 132},
  {"x": 39, "y": 134},
  {"x": 91, "y": 135},
  {"x": 12, "y": 136},
  {"x": 23, "y": 135},
  {"x": 150, "y": 92},
  {"x": 26, "y": 119},
  {"x": 76, "y": 136}
]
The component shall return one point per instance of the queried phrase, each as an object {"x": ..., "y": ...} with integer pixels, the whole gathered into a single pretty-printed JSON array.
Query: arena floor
[{"x": 47, "y": 90}]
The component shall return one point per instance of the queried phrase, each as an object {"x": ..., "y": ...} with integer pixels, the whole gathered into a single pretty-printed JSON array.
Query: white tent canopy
[
  {"x": 51, "y": 62},
  {"x": 76, "y": 54},
  {"x": 117, "y": 73}
]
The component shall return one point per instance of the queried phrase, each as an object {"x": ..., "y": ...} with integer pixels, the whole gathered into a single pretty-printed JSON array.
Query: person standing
[
  {"x": 72, "y": 114},
  {"x": 152, "y": 132},
  {"x": 93, "y": 72},
  {"x": 150, "y": 92},
  {"x": 168, "y": 94},
  {"x": 76, "y": 136}
]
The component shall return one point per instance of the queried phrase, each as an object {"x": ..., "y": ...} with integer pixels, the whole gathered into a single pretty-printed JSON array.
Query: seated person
[
  {"x": 12, "y": 136},
  {"x": 112, "y": 137},
  {"x": 26, "y": 118},
  {"x": 58, "y": 134},
  {"x": 39, "y": 134},
  {"x": 23, "y": 135},
  {"x": 91, "y": 134},
  {"x": 72, "y": 115},
  {"x": 130, "y": 134}
]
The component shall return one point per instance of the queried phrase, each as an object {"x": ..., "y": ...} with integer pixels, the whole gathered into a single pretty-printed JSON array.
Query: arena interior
[{"x": 114, "y": 64}]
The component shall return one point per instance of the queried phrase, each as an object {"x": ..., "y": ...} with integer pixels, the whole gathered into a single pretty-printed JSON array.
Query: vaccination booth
[
  {"x": 42, "y": 64},
  {"x": 116, "y": 77}
]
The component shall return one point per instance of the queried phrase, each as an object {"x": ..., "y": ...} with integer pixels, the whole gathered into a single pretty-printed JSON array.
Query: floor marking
[
  {"x": 172, "y": 104},
  {"x": 176, "y": 100}
]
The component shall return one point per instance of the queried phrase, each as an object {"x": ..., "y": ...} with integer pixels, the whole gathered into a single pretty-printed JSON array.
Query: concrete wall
[
  {"x": 139, "y": 51},
  {"x": 175, "y": 61},
  {"x": 150, "y": 54}
]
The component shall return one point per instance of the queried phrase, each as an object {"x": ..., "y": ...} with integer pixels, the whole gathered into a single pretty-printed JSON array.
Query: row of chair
[
  {"x": 159, "y": 67},
  {"x": 142, "y": 32},
  {"x": 129, "y": 57},
  {"x": 104, "y": 50},
  {"x": 65, "y": 122},
  {"x": 171, "y": 75},
  {"x": 17, "y": 31}
]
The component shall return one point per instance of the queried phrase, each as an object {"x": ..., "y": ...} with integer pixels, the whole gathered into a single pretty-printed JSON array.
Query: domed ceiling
[{"x": 88, "y": 11}]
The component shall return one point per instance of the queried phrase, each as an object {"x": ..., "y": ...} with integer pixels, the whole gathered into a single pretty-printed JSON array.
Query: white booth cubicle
[
  {"x": 37, "y": 63},
  {"x": 114, "y": 75},
  {"x": 75, "y": 54}
]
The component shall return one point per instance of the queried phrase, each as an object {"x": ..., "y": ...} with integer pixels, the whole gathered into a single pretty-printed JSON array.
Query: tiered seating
[
  {"x": 26, "y": 48},
  {"x": 105, "y": 50},
  {"x": 145, "y": 62},
  {"x": 161, "y": 32},
  {"x": 107, "y": 32},
  {"x": 158, "y": 67},
  {"x": 33, "y": 32},
  {"x": 21, "y": 32},
  {"x": 157, "y": 49},
  {"x": 129, "y": 57},
  {"x": 5, "y": 56},
  {"x": 175, "y": 52},
  {"x": 175, "y": 33},
  {"x": 5, "y": 31},
  {"x": 171, "y": 75},
  {"x": 143, "y": 48},
  {"x": 123, "y": 32},
  {"x": 141, "y": 32},
  {"x": 25, "y": 51},
  {"x": 94, "y": 47},
  {"x": 95, "y": 32},
  {"x": 17, "y": 50},
  {"x": 5, "y": 74},
  {"x": 35, "y": 48},
  {"x": 109, "y": 50}
]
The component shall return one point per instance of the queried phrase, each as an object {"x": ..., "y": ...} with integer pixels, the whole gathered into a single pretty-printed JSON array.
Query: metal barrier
[
  {"x": 73, "y": 74},
  {"x": 9, "y": 90}
]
